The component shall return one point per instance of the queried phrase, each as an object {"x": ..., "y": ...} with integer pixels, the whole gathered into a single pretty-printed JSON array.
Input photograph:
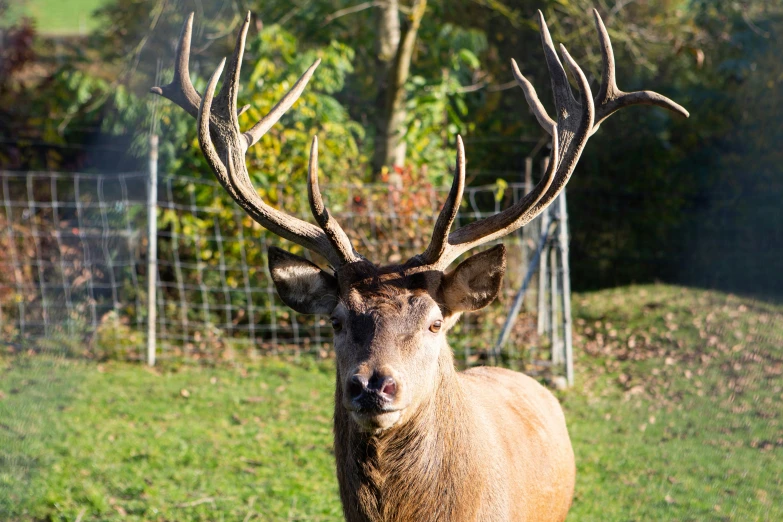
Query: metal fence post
[
  {"x": 553, "y": 315},
  {"x": 544, "y": 219},
  {"x": 528, "y": 233},
  {"x": 152, "y": 248},
  {"x": 517, "y": 303},
  {"x": 563, "y": 239}
]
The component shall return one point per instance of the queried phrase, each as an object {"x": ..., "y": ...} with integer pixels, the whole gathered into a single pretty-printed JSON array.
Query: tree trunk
[{"x": 394, "y": 51}]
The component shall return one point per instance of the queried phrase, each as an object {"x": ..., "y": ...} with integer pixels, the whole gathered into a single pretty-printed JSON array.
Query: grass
[
  {"x": 56, "y": 17},
  {"x": 117, "y": 440},
  {"x": 677, "y": 413},
  {"x": 675, "y": 416}
]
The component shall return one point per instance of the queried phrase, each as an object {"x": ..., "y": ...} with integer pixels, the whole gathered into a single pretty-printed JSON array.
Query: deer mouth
[
  {"x": 375, "y": 420},
  {"x": 373, "y": 413}
]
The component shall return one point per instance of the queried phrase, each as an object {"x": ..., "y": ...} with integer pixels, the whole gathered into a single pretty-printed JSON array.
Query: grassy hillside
[
  {"x": 677, "y": 413},
  {"x": 56, "y": 17},
  {"x": 676, "y": 416}
]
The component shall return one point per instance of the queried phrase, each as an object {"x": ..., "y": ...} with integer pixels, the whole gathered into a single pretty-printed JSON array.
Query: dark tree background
[{"x": 655, "y": 197}]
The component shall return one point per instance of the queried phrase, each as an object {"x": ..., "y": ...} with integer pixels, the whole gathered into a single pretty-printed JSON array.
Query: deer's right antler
[{"x": 224, "y": 146}]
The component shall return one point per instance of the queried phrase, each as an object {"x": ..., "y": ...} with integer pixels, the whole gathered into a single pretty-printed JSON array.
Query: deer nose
[
  {"x": 383, "y": 387},
  {"x": 388, "y": 387},
  {"x": 356, "y": 386}
]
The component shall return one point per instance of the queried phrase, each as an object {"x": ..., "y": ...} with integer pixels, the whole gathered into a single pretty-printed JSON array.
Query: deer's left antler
[{"x": 576, "y": 120}]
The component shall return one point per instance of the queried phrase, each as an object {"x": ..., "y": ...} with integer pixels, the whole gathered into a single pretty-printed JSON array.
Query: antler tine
[
  {"x": 225, "y": 102},
  {"x": 334, "y": 232},
  {"x": 264, "y": 124},
  {"x": 564, "y": 96},
  {"x": 532, "y": 99},
  {"x": 237, "y": 183},
  {"x": 574, "y": 130},
  {"x": 204, "y": 137},
  {"x": 448, "y": 213},
  {"x": 610, "y": 98},
  {"x": 181, "y": 90}
]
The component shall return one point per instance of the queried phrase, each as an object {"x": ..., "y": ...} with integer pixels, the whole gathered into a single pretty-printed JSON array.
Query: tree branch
[{"x": 351, "y": 10}]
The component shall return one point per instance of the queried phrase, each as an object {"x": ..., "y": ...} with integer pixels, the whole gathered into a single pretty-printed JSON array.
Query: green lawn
[
  {"x": 56, "y": 17},
  {"x": 675, "y": 416}
]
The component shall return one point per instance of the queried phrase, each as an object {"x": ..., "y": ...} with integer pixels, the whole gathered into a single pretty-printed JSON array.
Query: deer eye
[
  {"x": 436, "y": 326},
  {"x": 336, "y": 324}
]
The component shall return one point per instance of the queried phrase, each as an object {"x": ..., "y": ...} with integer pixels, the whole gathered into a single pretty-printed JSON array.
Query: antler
[
  {"x": 224, "y": 146},
  {"x": 576, "y": 121}
]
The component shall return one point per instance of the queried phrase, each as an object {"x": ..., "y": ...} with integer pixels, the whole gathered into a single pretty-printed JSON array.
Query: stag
[{"x": 416, "y": 440}]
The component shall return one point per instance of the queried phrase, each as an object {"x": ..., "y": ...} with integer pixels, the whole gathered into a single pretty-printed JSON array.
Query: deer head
[{"x": 390, "y": 321}]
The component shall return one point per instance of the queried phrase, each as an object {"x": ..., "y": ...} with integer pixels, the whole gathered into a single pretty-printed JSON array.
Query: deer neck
[{"x": 420, "y": 470}]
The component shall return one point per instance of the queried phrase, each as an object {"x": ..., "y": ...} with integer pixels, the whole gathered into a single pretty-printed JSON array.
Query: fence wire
[{"x": 73, "y": 262}]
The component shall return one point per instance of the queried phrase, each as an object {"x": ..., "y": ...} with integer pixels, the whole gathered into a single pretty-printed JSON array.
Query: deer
[{"x": 415, "y": 439}]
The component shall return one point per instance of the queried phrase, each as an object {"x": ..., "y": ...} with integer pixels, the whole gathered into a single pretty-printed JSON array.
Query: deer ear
[
  {"x": 301, "y": 284},
  {"x": 475, "y": 282}
]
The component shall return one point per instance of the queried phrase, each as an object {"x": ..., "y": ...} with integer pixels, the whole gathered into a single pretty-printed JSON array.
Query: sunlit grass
[
  {"x": 56, "y": 17},
  {"x": 675, "y": 416},
  {"x": 677, "y": 413},
  {"x": 116, "y": 440}
]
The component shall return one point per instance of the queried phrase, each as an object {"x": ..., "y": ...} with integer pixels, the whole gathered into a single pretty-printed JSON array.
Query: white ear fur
[
  {"x": 302, "y": 285},
  {"x": 475, "y": 282}
]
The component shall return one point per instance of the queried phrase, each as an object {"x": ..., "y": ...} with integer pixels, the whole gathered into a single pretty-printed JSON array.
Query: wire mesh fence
[{"x": 73, "y": 263}]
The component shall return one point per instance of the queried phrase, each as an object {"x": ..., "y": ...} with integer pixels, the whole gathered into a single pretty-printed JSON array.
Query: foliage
[
  {"x": 115, "y": 340},
  {"x": 675, "y": 416},
  {"x": 68, "y": 108},
  {"x": 654, "y": 196},
  {"x": 437, "y": 110}
]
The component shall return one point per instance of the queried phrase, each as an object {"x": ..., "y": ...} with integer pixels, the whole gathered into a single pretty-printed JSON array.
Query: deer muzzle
[{"x": 374, "y": 401}]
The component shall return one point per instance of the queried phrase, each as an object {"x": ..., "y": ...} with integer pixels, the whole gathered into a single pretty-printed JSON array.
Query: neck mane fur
[{"x": 420, "y": 470}]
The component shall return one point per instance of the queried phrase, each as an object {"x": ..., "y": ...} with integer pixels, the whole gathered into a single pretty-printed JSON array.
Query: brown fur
[
  {"x": 484, "y": 445},
  {"x": 491, "y": 445}
]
